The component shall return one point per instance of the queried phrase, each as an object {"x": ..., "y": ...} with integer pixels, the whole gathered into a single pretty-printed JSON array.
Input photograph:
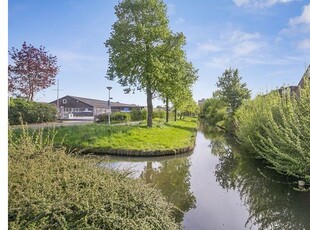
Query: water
[{"x": 215, "y": 188}]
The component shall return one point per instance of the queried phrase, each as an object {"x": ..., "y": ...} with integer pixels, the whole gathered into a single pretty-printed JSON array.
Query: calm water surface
[{"x": 215, "y": 188}]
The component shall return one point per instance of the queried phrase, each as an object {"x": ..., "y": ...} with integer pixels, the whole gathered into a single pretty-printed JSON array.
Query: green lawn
[{"x": 163, "y": 136}]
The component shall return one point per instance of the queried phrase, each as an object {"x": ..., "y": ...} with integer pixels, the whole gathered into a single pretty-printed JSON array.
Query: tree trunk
[
  {"x": 167, "y": 109},
  {"x": 149, "y": 107},
  {"x": 175, "y": 114}
]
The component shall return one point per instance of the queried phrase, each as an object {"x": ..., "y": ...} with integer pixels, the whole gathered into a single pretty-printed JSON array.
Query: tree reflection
[
  {"x": 272, "y": 202},
  {"x": 172, "y": 178}
]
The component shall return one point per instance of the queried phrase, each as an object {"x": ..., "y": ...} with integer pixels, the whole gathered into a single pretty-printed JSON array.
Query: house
[
  {"x": 295, "y": 90},
  {"x": 201, "y": 102},
  {"x": 71, "y": 107},
  {"x": 302, "y": 81}
]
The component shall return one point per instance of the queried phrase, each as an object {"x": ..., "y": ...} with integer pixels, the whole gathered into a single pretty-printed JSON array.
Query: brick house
[{"x": 71, "y": 107}]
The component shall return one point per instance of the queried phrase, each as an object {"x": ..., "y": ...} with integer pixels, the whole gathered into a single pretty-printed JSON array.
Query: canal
[{"x": 217, "y": 187}]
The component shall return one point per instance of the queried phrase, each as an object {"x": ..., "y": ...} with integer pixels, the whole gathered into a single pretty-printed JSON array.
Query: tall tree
[
  {"x": 181, "y": 75},
  {"x": 139, "y": 42},
  {"x": 33, "y": 70},
  {"x": 231, "y": 90}
]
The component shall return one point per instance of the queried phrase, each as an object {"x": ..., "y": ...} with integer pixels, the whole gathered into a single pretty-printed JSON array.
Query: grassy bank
[
  {"x": 49, "y": 189},
  {"x": 163, "y": 139}
]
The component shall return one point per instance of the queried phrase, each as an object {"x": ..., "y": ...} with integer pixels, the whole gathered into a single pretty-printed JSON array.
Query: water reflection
[
  {"x": 217, "y": 187},
  {"x": 271, "y": 200},
  {"x": 172, "y": 178}
]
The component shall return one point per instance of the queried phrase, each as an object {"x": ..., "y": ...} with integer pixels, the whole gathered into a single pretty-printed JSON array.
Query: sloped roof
[
  {"x": 100, "y": 103},
  {"x": 306, "y": 75}
]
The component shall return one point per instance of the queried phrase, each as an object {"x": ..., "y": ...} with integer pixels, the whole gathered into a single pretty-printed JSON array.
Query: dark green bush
[
  {"x": 138, "y": 115},
  {"x": 117, "y": 117},
  {"x": 30, "y": 112},
  {"x": 49, "y": 189}
]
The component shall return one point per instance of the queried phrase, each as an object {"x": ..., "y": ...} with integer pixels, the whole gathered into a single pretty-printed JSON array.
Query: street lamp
[{"x": 109, "y": 105}]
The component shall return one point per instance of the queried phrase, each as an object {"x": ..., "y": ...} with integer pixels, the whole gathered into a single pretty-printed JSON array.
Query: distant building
[
  {"x": 296, "y": 89},
  {"x": 71, "y": 107},
  {"x": 201, "y": 102}
]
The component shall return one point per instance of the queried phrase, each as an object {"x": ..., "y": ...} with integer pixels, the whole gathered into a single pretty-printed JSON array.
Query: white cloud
[
  {"x": 304, "y": 18},
  {"x": 259, "y": 3},
  {"x": 234, "y": 47},
  {"x": 304, "y": 45}
]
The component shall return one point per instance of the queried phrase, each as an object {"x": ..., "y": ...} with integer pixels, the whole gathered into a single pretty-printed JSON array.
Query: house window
[{"x": 64, "y": 101}]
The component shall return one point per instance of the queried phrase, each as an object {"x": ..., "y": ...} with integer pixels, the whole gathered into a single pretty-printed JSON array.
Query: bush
[
  {"x": 30, "y": 112},
  {"x": 277, "y": 128},
  {"x": 117, "y": 117},
  {"x": 49, "y": 189},
  {"x": 159, "y": 113},
  {"x": 138, "y": 114}
]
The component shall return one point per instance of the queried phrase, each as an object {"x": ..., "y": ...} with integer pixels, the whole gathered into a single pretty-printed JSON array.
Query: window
[{"x": 64, "y": 101}]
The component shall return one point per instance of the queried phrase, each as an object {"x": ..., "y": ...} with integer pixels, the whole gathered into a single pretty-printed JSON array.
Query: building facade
[{"x": 72, "y": 107}]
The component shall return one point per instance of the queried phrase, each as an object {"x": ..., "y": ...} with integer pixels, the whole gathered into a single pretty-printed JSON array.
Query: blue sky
[{"x": 267, "y": 40}]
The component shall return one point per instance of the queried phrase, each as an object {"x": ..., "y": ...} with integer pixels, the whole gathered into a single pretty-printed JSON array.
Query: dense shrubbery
[
  {"x": 138, "y": 115},
  {"x": 30, "y": 112},
  {"x": 214, "y": 112},
  {"x": 49, "y": 189},
  {"x": 277, "y": 128},
  {"x": 118, "y": 117},
  {"x": 159, "y": 113}
]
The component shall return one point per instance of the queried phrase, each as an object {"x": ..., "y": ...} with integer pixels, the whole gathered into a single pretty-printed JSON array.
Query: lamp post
[{"x": 109, "y": 105}]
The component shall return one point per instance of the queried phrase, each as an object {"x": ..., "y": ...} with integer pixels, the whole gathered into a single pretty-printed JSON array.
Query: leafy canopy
[
  {"x": 231, "y": 90},
  {"x": 33, "y": 70}
]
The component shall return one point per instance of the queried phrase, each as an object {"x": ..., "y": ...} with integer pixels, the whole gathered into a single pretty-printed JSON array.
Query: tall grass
[{"x": 49, "y": 189}]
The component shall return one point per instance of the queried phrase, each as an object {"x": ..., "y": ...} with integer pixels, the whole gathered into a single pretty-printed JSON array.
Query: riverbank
[{"x": 134, "y": 140}]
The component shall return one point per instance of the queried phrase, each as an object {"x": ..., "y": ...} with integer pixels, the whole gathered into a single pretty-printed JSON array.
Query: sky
[{"x": 267, "y": 40}]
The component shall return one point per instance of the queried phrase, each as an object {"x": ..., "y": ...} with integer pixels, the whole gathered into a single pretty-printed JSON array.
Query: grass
[
  {"x": 49, "y": 189},
  {"x": 97, "y": 137}
]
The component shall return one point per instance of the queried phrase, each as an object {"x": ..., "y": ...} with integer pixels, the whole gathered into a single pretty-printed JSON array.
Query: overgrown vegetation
[
  {"x": 101, "y": 138},
  {"x": 30, "y": 112},
  {"x": 49, "y": 189},
  {"x": 276, "y": 127}
]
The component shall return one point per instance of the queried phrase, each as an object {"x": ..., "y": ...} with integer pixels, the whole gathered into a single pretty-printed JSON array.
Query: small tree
[
  {"x": 231, "y": 90},
  {"x": 33, "y": 70}
]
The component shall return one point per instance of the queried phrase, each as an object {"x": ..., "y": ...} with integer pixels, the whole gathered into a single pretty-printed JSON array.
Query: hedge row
[{"x": 30, "y": 112}]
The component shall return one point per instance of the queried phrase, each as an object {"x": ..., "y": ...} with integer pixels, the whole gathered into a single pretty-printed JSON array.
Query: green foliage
[
  {"x": 30, "y": 112},
  {"x": 49, "y": 189},
  {"x": 138, "y": 114},
  {"x": 215, "y": 112},
  {"x": 142, "y": 48},
  {"x": 117, "y": 117},
  {"x": 277, "y": 127},
  {"x": 158, "y": 113},
  {"x": 231, "y": 90}
]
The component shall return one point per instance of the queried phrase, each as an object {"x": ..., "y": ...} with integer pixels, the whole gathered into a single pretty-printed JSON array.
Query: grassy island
[{"x": 162, "y": 139}]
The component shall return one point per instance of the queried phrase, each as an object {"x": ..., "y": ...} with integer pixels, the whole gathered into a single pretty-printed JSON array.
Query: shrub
[
  {"x": 49, "y": 189},
  {"x": 30, "y": 112},
  {"x": 277, "y": 128},
  {"x": 138, "y": 114},
  {"x": 117, "y": 117},
  {"x": 159, "y": 113}
]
